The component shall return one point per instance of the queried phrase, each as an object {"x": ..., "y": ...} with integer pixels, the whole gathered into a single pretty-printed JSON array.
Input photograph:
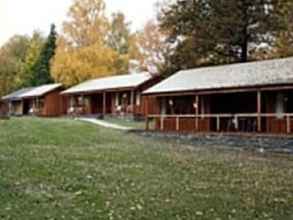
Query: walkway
[{"x": 105, "y": 124}]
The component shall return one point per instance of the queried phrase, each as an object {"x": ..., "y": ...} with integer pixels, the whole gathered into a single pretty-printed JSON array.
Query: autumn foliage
[{"x": 91, "y": 45}]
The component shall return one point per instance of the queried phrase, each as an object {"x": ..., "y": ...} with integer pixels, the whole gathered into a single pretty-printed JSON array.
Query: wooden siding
[
  {"x": 53, "y": 105},
  {"x": 184, "y": 125},
  {"x": 278, "y": 126},
  {"x": 3, "y": 109}
]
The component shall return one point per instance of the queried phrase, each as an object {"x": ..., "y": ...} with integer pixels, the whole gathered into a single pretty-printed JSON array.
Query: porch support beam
[
  {"x": 177, "y": 124},
  {"x": 132, "y": 100},
  {"x": 196, "y": 113},
  {"x": 288, "y": 124},
  {"x": 147, "y": 120},
  {"x": 162, "y": 123},
  {"x": 218, "y": 123},
  {"x": 104, "y": 104},
  {"x": 259, "y": 128}
]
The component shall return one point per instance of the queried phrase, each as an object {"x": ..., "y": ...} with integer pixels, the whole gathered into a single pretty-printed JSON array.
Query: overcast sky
[{"x": 24, "y": 16}]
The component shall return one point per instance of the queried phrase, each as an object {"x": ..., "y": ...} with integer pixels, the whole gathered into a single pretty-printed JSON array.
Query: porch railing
[{"x": 219, "y": 120}]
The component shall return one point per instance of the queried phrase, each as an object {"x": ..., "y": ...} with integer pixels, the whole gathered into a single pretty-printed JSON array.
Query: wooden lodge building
[
  {"x": 115, "y": 95},
  {"x": 43, "y": 101},
  {"x": 254, "y": 97}
]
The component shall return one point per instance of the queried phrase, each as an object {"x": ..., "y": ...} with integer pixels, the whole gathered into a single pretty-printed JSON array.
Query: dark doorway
[{"x": 26, "y": 107}]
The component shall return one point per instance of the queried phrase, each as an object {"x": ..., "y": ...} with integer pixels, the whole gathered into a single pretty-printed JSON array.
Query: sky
[{"x": 24, "y": 16}]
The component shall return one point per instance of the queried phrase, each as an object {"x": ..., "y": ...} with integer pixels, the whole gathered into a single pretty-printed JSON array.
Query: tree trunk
[
  {"x": 244, "y": 50},
  {"x": 245, "y": 36}
]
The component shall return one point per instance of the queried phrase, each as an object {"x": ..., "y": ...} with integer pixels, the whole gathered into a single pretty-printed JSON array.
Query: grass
[
  {"x": 62, "y": 169},
  {"x": 126, "y": 122}
]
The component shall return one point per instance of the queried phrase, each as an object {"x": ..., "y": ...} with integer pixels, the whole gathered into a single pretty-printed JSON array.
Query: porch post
[
  {"x": 162, "y": 123},
  {"x": 177, "y": 124},
  {"x": 37, "y": 107},
  {"x": 10, "y": 108},
  {"x": 104, "y": 104},
  {"x": 259, "y": 128},
  {"x": 288, "y": 124},
  {"x": 196, "y": 112},
  {"x": 218, "y": 123},
  {"x": 163, "y": 113},
  {"x": 34, "y": 106},
  {"x": 132, "y": 101},
  {"x": 147, "y": 125}
]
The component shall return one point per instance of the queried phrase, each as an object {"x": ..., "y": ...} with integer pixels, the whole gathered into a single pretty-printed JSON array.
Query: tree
[
  {"x": 119, "y": 40},
  {"x": 36, "y": 44},
  {"x": 74, "y": 65},
  {"x": 91, "y": 45},
  {"x": 208, "y": 32},
  {"x": 41, "y": 69},
  {"x": 119, "y": 33},
  {"x": 152, "y": 47},
  {"x": 12, "y": 59},
  {"x": 284, "y": 43},
  {"x": 87, "y": 23}
]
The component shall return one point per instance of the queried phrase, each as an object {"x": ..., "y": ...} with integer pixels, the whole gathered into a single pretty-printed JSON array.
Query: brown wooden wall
[
  {"x": 54, "y": 105},
  {"x": 186, "y": 125},
  {"x": 277, "y": 126},
  {"x": 3, "y": 108},
  {"x": 149, "y": 105}
]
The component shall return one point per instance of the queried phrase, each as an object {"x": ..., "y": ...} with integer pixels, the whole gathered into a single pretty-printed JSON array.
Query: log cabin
[
  {"x": 114, "y": 95},
  {"x": 42, "y": 101},
  {"x": 255, "y": 97}
]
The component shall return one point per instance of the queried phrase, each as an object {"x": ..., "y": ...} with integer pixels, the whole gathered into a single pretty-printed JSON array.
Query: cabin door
[
  {"x": 26, "y": 107},
  {"x": 94, "y": 105}
]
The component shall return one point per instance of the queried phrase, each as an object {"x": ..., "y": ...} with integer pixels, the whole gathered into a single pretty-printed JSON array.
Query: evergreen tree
[
  {"x": 207, "y": 32},
  {"x": 41, "y": 69},
  {"x": 35, "y": 46}
]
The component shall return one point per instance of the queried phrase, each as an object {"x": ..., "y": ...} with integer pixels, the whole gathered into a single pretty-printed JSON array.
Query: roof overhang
[{"x": 262, "y": 88}]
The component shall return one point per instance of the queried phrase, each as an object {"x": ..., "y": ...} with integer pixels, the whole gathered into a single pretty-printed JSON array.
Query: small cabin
[
  {"x": 114, "y": 95},
  {"x": 43, "y": 101},
  {"x": 255, "y": 97}
]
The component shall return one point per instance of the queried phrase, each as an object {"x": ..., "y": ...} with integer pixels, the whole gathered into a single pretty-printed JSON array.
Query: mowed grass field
[{"x": 63, "y": 169}]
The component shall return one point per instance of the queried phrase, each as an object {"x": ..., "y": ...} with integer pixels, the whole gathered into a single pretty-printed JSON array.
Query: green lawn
[{"x": 62, "y": 169}]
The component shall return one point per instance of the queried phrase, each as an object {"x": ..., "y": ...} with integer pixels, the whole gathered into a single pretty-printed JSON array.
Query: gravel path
[
  {"x": 255, "y": 143},
  {"x": 105, "y": 124}
]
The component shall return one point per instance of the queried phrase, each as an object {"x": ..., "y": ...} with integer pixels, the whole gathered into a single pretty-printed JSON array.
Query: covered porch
[
  {"x": 267, "y": 110},
  {"x": 118, "y": 103}
]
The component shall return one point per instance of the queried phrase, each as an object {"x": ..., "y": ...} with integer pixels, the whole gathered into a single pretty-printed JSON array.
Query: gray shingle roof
[
  {"x": 41, "y": 90},
  {"x": 111, "y": 83},
  {"x": 271, "y": 72},
  {"x": 16, "y": 95},
  {"x": 31, "y": 92}
]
